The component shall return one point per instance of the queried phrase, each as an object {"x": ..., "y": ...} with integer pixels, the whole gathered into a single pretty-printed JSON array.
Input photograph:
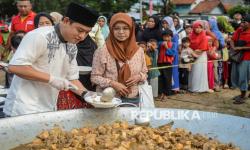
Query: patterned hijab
[
  {"x": 122, "y": 51},
  {"x": 105, "y": 28}
]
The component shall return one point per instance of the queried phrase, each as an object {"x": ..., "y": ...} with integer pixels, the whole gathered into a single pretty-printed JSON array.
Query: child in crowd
[
  {"x": 187, "y": 56},
  {"x": 212, "y": 55},
  {"x": 166, "y": 57},
  {"x": 154, "y": 73},
  {"x": 143, "y": 45}
]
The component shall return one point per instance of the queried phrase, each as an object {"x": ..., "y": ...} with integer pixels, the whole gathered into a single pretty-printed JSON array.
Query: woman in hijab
[
  {"x": 223, "y": 66},
  {"x": 168, "y": 21},
  {"x": 177, "y": 24},
  {"x": 103, "y": 23},
  {"x": 214, "y": 28},
  {"x": 96, "y": 33},
  {"x": 152, "y": 30},
  {"x": 198, "y": 79},
  {"x": 224, "y": 24},
  {"x": 217, "y": 65},
  {"x": 43, "y": 19},
  {"x": 120, "y": 64},
  {"x": 230, "y": 72}
]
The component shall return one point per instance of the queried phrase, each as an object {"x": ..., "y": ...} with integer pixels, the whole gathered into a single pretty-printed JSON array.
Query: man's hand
[
  {"x": 120, "y": 88},
  {"x": 59, "y": 83},
  {"x": 88, "y": 94}
]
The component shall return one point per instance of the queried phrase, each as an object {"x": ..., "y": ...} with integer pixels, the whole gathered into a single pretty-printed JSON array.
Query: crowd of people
[
  {"x": 172, "y": 54},
  {"x": 197, "y": 56}
]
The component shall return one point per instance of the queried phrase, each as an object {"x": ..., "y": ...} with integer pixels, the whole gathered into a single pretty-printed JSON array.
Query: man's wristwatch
[{"x": 83, "y": 94}]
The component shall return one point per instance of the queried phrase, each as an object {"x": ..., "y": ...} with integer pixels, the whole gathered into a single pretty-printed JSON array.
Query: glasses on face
[{"x": 119, "y": 29}]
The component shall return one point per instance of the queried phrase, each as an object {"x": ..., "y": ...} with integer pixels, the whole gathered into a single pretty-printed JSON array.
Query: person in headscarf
[
  {"x": 85, "y": 54},
  {"x": 224, "y": 24},
  {"x": 206, "y": 27},
  {"x": 212, "y": 55},
  {"x": 198, "y": 79},
  {"x": 56, "y": 16},
  {"x": 97, "y": 36},
  {"x": 120, "y": 64},
  {"x": 152, "y": 29},
  {"x": 223, "y": 65},
  {"x": 177, "y": 24},
  {"x": 217, "y": 65},
  {"x": 175, "y": 47},
  {"x": 229, "y": 69},
  {"x": 103, "y": 23},
  {"x": 86, "y": 50},
  {"x": 214, "y": 28}
]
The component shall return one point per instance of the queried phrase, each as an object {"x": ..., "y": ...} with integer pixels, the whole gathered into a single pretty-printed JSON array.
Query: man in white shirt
[{"x": 45, "y": 62}]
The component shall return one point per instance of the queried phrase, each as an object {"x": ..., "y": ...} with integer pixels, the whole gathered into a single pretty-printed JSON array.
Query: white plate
[
  {"x": 84, "y": 70},
  {"x": 96, "y": 102},
  {"x": 3, "y": 91}
]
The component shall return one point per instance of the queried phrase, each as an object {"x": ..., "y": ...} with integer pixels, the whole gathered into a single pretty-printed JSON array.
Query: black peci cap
[{"x": 82, "y": 14}]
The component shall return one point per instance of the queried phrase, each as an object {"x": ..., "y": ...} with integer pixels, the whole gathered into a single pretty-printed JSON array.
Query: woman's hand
[
  {"x": 120, "y": 88},
  {"x": 133, "y": 80}
]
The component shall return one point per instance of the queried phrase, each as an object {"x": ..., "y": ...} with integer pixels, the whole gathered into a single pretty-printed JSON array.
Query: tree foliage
[
  {"x": 102, "y": 6},
  {"x": 168, "y": 7},
  {"x": 239, "y": 8}
]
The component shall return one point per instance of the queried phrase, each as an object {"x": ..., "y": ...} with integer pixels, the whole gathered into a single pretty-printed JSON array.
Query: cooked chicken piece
[
  {"x": 74, "y": 132},
  {"x": 122, "y": 136},
  {"x": 90, "y": 140},
  {"x": 44, "y": 135},
  {"x": 37, "y": 142}
]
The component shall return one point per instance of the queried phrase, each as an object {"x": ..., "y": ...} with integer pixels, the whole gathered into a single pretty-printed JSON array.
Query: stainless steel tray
[{"x": 226, "y": 128}]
